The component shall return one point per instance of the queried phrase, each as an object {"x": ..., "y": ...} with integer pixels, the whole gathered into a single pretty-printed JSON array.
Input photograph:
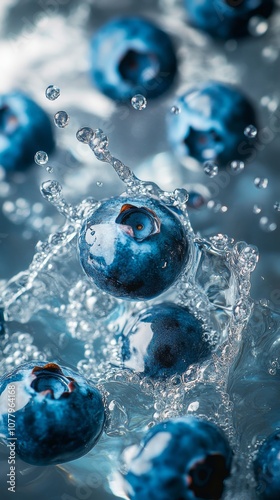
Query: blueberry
[
  {"x": 2, "y": 323},
  {"x": 267, "y": 468},
  {"x": 164, "y": 340},
  {"x": 226, "y": 18},
  {"x": 25, "y": 129},
  {"x": 211, "y": 124},
  {"x": 131, "y": 56},
  {"x": 133, "y": 248},
  {"x": 181, "y": 459},
  {"x": 58, "y": 416}
]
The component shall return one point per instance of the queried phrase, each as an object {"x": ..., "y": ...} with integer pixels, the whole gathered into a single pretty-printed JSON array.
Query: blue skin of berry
[
  {"x": 164, "y": 340},
  {"x": 59, "y": 416},
  {"x": 226, "y": 18},
  {"x": 25, "y": 129},
  {"x": 181, "y": 459},
  {"x": 267, "y": 468},
  {"x": 133, "y": 248},
  {"x": 130, "y": 56},
  {"x": 211, "y": 124}
]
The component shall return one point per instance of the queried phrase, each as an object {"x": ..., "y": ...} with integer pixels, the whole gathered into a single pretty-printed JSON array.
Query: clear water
[{"x": 54, "y": 312}]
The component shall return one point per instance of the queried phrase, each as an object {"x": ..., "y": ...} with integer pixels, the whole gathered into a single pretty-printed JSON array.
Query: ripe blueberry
[
  {"x": 211, "y": 124},
  {"x": 58, "y": 416},
  {"x": 131, "y": 56},
  {"x": 164, "y": 340},
  {"x": 267, "y": 468},
  {"x": 226, "y": 18},
  {"x": 25, "y": 129},
  {"x": 181, "y": 459},
  {"x": 133, "y": 248}
]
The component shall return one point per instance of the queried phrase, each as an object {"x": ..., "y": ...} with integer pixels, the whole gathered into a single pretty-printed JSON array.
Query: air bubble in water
[
  {"x": 251, "y": 131},
  {"x": 52, "y": 92},
  {"x": 257, "y": 26},
  {"x": 261, "y": 182},
  {"x": 257, "y": 209},
  {"x": 61, "y": 119},
  {"x": 237, "y": 166},
  {"x": 175, "y": 110},
  {"x": 139, "y": 102},
  {"x": 276, "y": 206},
  {"x": 51, "y": 190},
  {"x": 85, "y": 134},
  {"x": 41, "y": 158},
  {"x": 266, "y": 225},
  {"x": 210, "y": 168}
]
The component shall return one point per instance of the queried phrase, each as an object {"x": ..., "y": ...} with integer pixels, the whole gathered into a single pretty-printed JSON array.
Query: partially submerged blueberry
[
  {"x": 58, "y": 416},
  {"x": 133, "y": 248},
  {"x": 131, "y": 55},
  {"x": 181, "y": 459},
  {"x": 165, "y": 339}
]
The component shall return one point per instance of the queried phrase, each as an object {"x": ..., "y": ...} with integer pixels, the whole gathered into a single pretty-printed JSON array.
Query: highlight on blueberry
[
  {"x": 267, "y": 468},
  {"x": 133, "y": 248},
  {"x": 59, "y": 416},
  {"x": 227, "y": 18},
  {"x": 165, "y": 339},
  {"x": 25, "y": 129},
  {"x": 130, "y": 55},
  {"x": 211, "y": 124},
  {"x": 180, "y": 459}
]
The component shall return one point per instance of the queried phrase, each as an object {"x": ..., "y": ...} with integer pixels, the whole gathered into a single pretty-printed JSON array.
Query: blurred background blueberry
[
  {"x": 267, "y": 468},
  {"x": 130, "y": 56}
]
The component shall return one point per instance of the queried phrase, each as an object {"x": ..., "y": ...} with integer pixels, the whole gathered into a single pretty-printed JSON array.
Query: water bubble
[
  {"x": 251, "y": 131},
  {"x": 270, "y": 53},
  {"x": 139, "y": 102},
  {"x": 276, "y": 206},
  {"x": 237, "y": 166},
  {"x": 175, "y": 110},
  {"x": 49, "y": 169},
  {"x": 210, "y": 168},
  {"x": 85, "y": 134},
  {"x": 61, "y": 119},
  {"x": 99, "y": 183},
  {"x": 41, "y": 158},
  {"x": 257, "y": 26},
  {"x": 261, "y": 182},
  {"x": 257, "y": 209},
  {"x": 52, "y": 92},
  {"x": 266, "y": 225},
  {"x": 51, "y": 190}
]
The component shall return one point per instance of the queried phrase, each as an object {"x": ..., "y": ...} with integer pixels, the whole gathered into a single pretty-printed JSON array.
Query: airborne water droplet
[
  {"x": 257, "y": 26},
  {"x": 210, "y": 168},
  {"x": 175, "y": 110},
  {"x": 250, "y": 131},
  {"x": 52, "y": 92},
  {"x": 139, "y": 102},
  {"x": 261, "y": 182},
  {"x": 237, "y": 166},
  {"x": 257, "y": 209},
  {"x": 41, "y": 158},
  {"x": 276, "y": 206},
  {"x": 266, "y": 225},
  {"x": 51, "y": 190},
  {"x": 85, "y": 134},
  {"x": 61, "y": 119}
]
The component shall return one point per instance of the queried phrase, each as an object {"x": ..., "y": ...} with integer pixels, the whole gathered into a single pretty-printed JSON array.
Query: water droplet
[
  {"x": 99, "y": 184},
  {"x": 139, "y": 102},
  {"x": 270, "y": 53},
  {"x": 266, "y": 225},
  {"x": 175, "y": 110},
  {"x": 210, "y": 168},
  {"x": 61, "y": 119},
  {"x": 41, "y": 158},
  {"x": 52, "y": 92},
  {"x": 214, "y": 205},
  {"x": 51, "y": 190},
  {"x": 261, "y": 182},
  {"x": 49, "y": 169},
  {"x": 250, "y": 131},
  {"x": 237, "y": 166},
  {"x": 85, "y": 134},
  {"x": 276, "y": 206},
  {"x": 257, "y": 209},
  {"x": 257, "y": 26}
]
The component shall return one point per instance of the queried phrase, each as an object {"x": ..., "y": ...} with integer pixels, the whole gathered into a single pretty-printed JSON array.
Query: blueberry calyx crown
[
  {"x": 51, "y": 382},
  {"x": 141, "y": 221}
]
